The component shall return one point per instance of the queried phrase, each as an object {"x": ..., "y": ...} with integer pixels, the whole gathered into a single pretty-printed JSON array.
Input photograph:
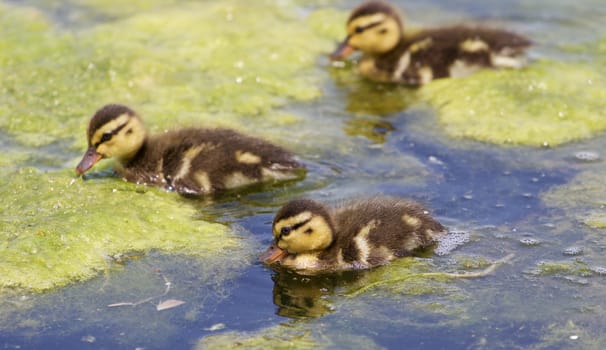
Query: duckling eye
[
  {"x": 359, "y": 29},
  {"x": 106, "y": 137},
  {"x": 285, "y": 231},
  {"x": 383, "y": 31}
]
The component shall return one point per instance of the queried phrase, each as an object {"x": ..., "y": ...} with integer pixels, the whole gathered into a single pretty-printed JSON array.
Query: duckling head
[
  {"x": 301, "y": 226},
  {"x": 374, "y": 28},
  {"x": 115, "y": 131}
]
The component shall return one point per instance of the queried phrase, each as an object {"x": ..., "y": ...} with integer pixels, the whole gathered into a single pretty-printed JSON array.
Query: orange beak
[
  {"x": 342, "y": 51},
  {"x": 273, "y": 254},
  {"x": 90, "y": 158}
]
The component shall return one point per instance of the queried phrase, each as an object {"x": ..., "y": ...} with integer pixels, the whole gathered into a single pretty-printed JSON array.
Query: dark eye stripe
[
  {"x": 360, "y": 29},
  {"x": 298, "y": 225},
  {"x": 108, "y": 135}
]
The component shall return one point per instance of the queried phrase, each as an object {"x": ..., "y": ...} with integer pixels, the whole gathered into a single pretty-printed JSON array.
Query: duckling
[
  {"x": 375, "y": 28},
  {"x": 189, "y": 161},
  {"x": 362, "y": 234}
]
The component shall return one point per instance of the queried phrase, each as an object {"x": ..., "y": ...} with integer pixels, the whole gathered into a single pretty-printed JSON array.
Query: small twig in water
[
  {"x": 487, "y": 271},
  {"x": 146, "y": 300}
]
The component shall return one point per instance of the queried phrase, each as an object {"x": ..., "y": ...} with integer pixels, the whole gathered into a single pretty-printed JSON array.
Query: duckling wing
[
  {"x": 375, "y": 231},
  {"x": 209, "y": 160},
  {"x": 457, "y": 51}
]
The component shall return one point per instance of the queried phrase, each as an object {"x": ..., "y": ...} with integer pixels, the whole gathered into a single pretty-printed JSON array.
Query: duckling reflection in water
[
  {"x": 189, "y": 161},
  {"x": 308, "y": 236},
  {"x": 375, "y": 28},
  {"x": 303, "y": 296}
]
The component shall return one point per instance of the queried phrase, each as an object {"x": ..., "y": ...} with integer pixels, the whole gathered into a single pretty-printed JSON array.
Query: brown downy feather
[{"x": 440, "y": 49}]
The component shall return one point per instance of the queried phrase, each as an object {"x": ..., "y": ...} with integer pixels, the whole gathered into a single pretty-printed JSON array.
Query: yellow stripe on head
[{"x": 109, "y": 127}]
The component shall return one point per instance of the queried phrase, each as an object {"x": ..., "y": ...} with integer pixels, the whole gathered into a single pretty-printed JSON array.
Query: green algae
[
  {"x": 293, "y": 335},
  {"x": 562, "y": 268},
  {"x": 214, "y": 64},
  {"x": 57, "y": 229},
  {"x": 583, "y": 198},
  {"x": 569, "y": 334},
  {"x": 547, "y": 103}
]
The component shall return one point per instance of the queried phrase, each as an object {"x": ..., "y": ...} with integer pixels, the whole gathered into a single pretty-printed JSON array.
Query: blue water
[{"x": 491, "y": 192}]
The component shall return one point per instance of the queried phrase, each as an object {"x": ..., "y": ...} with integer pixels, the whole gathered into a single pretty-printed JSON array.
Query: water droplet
[
  {"x": 529, "y": 241},
  {"x": 574, "y": 337},
  {"x": 587, "y": 156},
  {"x": 598, "y": 270},
  {"x": 215, "y": 327},
  {"x": 435, "y": 160},
  {"x": 239, "y": 80},
  {"x": 573, "y": 251},
  {"x": 88, "y": 339}
]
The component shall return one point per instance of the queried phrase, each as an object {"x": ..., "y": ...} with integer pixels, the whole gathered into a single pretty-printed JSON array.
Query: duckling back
[
  {"x": 211, "y": 160},
  {"x": 375, "y": 231}
]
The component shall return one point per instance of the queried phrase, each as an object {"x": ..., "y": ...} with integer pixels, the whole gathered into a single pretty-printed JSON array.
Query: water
[{"x": 550, "y": 295}]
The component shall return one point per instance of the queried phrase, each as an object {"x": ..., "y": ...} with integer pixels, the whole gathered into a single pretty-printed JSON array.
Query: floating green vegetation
[
  {"x": 562, "y": 268},
  {"x": 293, "y": 335},
  {"x": 568, "y": 334},
  {"x": 57, "y": 229},
  {"x": 583, "y": 199},
  {"x": 547, "y": 103},
  {"x": 214, "y": 64}
]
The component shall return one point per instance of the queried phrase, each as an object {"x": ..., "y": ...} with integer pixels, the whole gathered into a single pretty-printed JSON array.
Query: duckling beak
[
  {"x": 90, "y": 158},
  {"x": 342, "y": 51},
  {"x": 273, "y": 254}
]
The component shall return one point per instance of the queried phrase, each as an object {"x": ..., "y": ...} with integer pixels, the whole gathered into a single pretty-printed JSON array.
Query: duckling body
[
  {"x": 358, "y": 235},
  {"x": 389, "y": 55},
  {"x": 190, "y": 161}
]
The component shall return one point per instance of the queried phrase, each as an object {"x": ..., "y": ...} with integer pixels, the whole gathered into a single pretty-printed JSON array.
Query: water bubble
[
  {"x": 451, "y": 241},
  {"x": 573, "y": 251},
  {"x": 435, "y": 160},
  {"x": 529, "y": 241},
  {"x": 88, "y": 339},
  {"x": 598, "y": 270},
  {"x": 587, "y": 156},
  {"x": 338, "y": 64}
]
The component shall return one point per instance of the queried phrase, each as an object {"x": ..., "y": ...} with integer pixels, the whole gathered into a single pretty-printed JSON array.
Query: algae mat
[
  {"x": 200, "y": 64},
  {"x": 546, "y": 104},
  {"x": 57, "y": 229}
]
